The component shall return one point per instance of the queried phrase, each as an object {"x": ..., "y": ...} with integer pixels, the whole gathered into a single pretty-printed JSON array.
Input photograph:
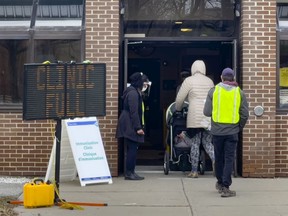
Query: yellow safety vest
[
  {"x": 143, "y": 116},
  {"x": 226, "y": 105}
]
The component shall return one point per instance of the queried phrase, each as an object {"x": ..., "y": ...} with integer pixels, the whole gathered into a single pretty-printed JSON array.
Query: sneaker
[
  {"x": 219, "y": 187},
  {"x": 226, "y": 192},
  {"x": 192, "y": 175}
]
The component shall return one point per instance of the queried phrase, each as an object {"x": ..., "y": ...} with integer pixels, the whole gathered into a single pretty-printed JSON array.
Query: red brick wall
[
  {"x": 102, "y": 45},
  {"x": 25, "y": 147},
  {"x": 258, "y": 66}
]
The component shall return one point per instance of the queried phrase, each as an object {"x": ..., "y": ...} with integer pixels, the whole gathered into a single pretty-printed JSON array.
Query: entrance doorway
[{"x": 163, "y": 61}]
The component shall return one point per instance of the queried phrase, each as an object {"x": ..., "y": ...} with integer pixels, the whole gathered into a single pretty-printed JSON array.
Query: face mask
[{"x": 145, "y": 86}]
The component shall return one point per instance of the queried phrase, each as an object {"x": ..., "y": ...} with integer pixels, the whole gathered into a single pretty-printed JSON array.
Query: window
[
  {"x": 13, "y": 54},
  {"x": 57, "y": 50},
  {"x": 215, "y": 18},
  {"x": 282, "y": 58},
  {"x": 283, "y": 74},
  {"x": 34, "y": 33}
]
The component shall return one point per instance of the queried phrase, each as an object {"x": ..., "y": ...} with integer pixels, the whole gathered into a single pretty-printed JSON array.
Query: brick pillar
[
  {"x": 258, "y": 68},
  {"x": 102, "y": 42}
]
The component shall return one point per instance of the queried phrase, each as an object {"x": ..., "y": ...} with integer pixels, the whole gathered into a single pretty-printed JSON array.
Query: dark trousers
[
  {"x": 131, "y": 154},
  {"x": 224, "y": 148}
]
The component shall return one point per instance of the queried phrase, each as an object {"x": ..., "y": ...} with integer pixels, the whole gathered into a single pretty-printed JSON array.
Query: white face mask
[{"x": 145, "y": 86}]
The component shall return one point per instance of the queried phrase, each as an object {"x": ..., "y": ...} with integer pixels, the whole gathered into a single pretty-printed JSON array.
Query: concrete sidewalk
[{"x": 171, "y": 195}]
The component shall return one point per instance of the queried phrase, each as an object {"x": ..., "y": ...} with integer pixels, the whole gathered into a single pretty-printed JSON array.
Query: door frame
[{"x": 124, "y": 60}]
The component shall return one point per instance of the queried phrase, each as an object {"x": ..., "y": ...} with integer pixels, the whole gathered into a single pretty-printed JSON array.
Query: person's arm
[
  {"x": 207, "y": 110},
  {"x": 133, "y": 103},
  {"x": 244, "y": 111},
  {"x": 181, "y": 95}
]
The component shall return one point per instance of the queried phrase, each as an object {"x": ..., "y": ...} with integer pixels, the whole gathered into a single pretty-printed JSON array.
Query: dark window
[
  {"x": 57, "y": 50},
  {"x": 53, "y": 33},
  {"x": 13, "y": 54},
  {"x": 282, "y": 53},
  {"x": 283, "y": 74},
  {"x": 179, "y": 17}
]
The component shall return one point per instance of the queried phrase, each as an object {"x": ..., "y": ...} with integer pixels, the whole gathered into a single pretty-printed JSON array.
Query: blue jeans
[
  {"x": 131, "y": 155},
  {"x": 224, "y": 148}
]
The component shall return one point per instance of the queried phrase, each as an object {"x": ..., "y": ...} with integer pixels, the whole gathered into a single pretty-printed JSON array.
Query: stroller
[{"x": 177, "y": 155}]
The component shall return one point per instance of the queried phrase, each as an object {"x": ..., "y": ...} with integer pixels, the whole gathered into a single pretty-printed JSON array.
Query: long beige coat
[{"x": 195, "y": 88}]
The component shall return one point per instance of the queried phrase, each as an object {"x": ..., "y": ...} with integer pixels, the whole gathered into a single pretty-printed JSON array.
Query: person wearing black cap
[
  {"x": 227, "y": 106},
  {"x": 131, "y": 121}
]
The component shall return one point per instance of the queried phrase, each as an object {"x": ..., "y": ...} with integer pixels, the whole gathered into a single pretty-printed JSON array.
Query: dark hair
[{"x": 184, "y": 74}]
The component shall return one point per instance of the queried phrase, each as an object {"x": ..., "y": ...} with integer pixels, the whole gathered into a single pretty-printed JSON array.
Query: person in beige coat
[{"x": 195, "y": 88}]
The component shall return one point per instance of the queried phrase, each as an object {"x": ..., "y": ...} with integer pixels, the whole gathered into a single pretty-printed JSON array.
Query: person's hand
[
  {"x": 178, "y": 114},
  {"x": 181, "y": 135},
  {"x": 140, "y": 132}
]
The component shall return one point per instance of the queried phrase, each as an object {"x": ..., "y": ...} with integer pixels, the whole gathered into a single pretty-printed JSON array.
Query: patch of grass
[{"x": 6, "y": 209}]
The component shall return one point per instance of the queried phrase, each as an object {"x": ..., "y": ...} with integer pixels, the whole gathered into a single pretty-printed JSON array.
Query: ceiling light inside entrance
[{"x": 186, "y": 29}]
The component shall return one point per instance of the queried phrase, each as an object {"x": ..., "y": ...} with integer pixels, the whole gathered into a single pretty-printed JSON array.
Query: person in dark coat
[{"x": 131, "y": 121}]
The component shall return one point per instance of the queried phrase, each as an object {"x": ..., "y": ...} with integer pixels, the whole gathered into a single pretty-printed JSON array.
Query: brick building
[{"x": 248, "y": 35}]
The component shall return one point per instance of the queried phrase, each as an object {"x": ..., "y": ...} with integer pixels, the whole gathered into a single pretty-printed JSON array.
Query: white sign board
[
  {"x": 67, "y": 164},
  {"x": 87, "y": 149}
]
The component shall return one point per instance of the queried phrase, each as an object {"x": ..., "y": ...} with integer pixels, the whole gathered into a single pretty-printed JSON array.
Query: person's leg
[
  {"x": 218, "y": 142},
  {"x": 132, "y": 148},
  {"x": 207, "y": 144},
  {"x": 229, "y": 149},
  {"x": 194, "y": 151},
  {"x": 130, "y": 155}
]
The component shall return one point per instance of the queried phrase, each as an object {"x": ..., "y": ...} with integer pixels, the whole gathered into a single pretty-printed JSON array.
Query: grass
[{"x": 6, "y": 209}]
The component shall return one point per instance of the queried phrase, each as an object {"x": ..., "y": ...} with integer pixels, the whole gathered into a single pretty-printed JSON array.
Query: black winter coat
[{"x": 130, "y": 119}]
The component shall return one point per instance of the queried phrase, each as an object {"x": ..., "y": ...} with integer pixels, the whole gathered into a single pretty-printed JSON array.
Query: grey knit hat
[{"x": 228, "y": 72}]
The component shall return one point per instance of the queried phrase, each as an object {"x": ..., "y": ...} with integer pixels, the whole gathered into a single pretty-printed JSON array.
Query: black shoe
[
  {"x": 140, "y": 177},
  {"x": 132, "y": 176}
]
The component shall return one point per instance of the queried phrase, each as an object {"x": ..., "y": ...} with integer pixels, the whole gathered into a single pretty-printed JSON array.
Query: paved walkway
[{"x": 172, "y": 195}]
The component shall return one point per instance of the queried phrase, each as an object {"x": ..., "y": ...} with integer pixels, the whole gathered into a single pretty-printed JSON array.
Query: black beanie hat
[{"x": 137, "y": 79}]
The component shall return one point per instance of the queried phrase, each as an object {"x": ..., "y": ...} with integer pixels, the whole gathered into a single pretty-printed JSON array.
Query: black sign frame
[{"x": 61, "y": 91}]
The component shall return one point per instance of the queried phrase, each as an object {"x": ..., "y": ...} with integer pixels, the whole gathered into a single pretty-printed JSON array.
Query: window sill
[{"x": 10, "y": 107}]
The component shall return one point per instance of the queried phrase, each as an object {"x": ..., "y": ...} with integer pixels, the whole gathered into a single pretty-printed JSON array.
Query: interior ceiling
[{"x": 184, "y": 44}]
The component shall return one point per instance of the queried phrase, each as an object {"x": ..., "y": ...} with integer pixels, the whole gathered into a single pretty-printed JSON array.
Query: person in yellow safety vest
[
  {"x": 131, "y": 121},
  {"x": 227, "y": 106}
]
